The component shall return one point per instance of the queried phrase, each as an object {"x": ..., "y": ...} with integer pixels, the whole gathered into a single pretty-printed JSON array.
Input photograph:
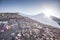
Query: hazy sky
[{"x": 31, "y": 7}]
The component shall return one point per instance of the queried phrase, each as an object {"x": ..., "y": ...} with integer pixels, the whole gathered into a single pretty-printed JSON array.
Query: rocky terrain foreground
[{"x": 24, "y": 28}]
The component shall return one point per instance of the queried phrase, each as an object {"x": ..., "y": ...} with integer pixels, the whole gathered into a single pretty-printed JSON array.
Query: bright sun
[{"x": 48, "y": 11}]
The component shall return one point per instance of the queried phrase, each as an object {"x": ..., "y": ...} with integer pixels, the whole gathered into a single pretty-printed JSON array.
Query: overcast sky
[{"x": 30, "y": 7}]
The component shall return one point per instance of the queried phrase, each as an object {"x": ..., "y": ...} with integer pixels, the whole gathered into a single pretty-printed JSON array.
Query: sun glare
[{"x": 48, "y": 11}]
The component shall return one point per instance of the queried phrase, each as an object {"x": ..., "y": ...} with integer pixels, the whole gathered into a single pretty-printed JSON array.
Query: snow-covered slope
[{"x": 43, "y": 19}]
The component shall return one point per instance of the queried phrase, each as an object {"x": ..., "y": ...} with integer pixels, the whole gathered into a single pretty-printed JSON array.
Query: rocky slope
[{"x": 24, "y": 28}]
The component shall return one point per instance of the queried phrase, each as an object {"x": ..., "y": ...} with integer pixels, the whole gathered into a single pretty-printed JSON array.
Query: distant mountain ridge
[{"x": 57, "y": 20}]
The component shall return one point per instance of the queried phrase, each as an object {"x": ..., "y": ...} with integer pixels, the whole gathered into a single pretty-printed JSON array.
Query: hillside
[{"x": 24, "y": 28}]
